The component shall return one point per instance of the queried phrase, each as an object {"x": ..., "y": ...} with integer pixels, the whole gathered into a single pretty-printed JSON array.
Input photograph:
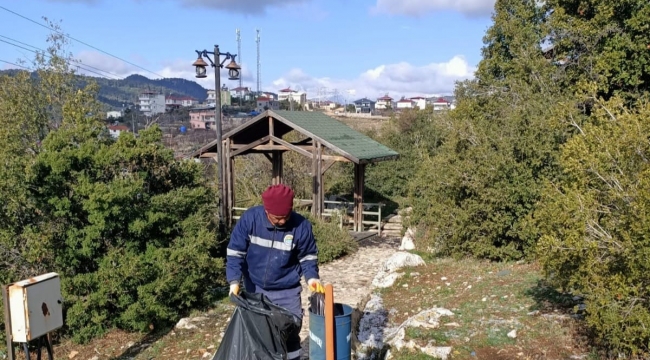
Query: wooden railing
[{"x": 343, "y": 210}]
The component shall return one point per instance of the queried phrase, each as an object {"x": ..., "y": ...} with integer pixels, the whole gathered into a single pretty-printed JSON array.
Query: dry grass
[
  {"x": 488, "y": 301},
  {"x": 167, "y": 343}
]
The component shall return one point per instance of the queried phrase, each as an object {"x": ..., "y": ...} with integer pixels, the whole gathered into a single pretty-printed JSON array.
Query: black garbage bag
[
  {"x": 258, "y": 330},
  {"x": 317, "y": 305}
]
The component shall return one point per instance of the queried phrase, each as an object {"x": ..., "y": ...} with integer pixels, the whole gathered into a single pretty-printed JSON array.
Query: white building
[
  {"x": 299, "y": 97},
  {"x": 419, "y": 102},
  {"x": 442, "y": 104},
  {"x": 116, "y": 130},
  {"x": 266, "y": 103},
  {"x": 177, "y": 101},
  {"x": 113, "y": 114},
  {"x": 405, "y": 104},
  {"x": 384, "y": 102},
  {"x": 152, "y": 103},
  {"x": 226, "y": 99}
]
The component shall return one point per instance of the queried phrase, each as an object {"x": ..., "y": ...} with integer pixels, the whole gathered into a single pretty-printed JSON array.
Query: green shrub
[
  {"x": 332, "y": 241},
  {"x": 594, "y": 222},
  {"x": 129, "y": 229}
]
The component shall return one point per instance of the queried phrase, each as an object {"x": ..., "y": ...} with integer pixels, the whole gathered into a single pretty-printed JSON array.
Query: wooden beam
[
  {"x": 266, "y": 155},
  {"x": 306, "y": 141},
  {"x": 209, "y": 155},
  {"x": 272, "y": 146},
  {"x": 335, "y": 158},
  {"x": 292, "y": 146},
  {"x": 327, "y": 165},
  {"x": 241, "y": 149}
]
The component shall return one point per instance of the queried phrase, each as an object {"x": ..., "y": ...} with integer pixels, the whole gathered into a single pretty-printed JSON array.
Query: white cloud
[
  {"x": 401, "y": 79},
  {"x": 417, "y": 8}
]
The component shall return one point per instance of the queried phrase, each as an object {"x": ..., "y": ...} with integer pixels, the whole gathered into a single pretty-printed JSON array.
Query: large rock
[
  {"x": 408, "y": 241},
  {"x": 402, "y": 259},
  {"x": 388, "y": 274}
]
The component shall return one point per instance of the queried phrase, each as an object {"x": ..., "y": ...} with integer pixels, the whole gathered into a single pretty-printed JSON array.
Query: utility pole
[
  {"x": 259, "y": 63},
  {"x": 240, "y": 92}
]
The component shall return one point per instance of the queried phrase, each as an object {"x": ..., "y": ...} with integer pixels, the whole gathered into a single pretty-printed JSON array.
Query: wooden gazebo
[{"x": 264, "y": 134}]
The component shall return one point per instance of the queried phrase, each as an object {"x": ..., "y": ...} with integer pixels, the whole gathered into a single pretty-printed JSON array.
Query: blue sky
[{"x": 357, "y": 48}]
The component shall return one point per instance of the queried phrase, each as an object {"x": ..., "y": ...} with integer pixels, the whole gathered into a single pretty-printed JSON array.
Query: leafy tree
[
  {"x": 475, "y": 194},
  {"x": 603, "y": 45}
]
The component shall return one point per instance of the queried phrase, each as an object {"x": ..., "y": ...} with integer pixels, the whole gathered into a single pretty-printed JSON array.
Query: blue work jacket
[{"x": 273, "y": 258}]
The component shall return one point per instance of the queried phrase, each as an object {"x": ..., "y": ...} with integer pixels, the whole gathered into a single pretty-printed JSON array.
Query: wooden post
[
  {"x": 330, "y": 340},
  {"x": 317, "y": 179},
  {"x": 359, "y": 179},
  {"x": 277, "y": 165},
  {"x": 321, "y": 188},
  {"x": 11, "y": 351},
  {"x": 223, "y": 163},
  {"x": 355, "y": 215},
  {"x": 232, "y": 188},
  {"x": 228, "y": 178}
]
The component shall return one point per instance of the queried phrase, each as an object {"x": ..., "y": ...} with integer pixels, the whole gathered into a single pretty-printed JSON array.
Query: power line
[
  {"x": 76, "y": 64},
  {"x": 79, "y": 41},
  {"x": 10, "y": 63},
  {"x": 68, "y": 62}
]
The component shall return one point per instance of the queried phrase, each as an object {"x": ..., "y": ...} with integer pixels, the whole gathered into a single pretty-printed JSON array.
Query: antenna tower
[
  {"x": 259, "y": 63},
  {"x": 240, "y": 92}
]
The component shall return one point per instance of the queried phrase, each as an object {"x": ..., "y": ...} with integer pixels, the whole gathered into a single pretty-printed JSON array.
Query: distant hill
[{"x": 114, "y": 93}]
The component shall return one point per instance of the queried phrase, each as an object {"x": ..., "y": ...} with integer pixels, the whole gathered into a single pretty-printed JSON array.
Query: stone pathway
[{"x": 351, "y": 277}]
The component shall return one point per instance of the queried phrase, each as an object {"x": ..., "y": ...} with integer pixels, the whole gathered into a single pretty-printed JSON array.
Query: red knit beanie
[{"x": 278, "y": 200}]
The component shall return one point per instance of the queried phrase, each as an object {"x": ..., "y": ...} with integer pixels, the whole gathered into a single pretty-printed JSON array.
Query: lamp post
[{"x": 233, "y": 74}]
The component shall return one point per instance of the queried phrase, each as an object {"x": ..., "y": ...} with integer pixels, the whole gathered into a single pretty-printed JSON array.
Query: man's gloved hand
[
  {"x": 234, "y": 289},
  {"x": 315, "y": 285}
]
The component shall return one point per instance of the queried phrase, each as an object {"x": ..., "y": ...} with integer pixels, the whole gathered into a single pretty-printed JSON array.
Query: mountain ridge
[{"x": 115, "y": 93}]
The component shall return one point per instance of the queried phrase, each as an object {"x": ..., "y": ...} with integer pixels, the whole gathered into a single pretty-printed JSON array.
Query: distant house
[
  {"x": 441, "y": 103},
  {"x": 113, "y": 114},
  {"x": 299, "y": 97},
  {"x": 384, "y": 102},
  {"x": 116, "y": 130},
  {"x": 202, "y": 118},
  {"x": 270, "y": 95},
  {"x": 364, "y": 106},
  {"x": 405, "y": 104},
  {"x": 324, "y": 104},
  {"x": 420, "y": 102},
  {"x": 177, "y": 101},
  {"x": 151, "y": 103},
  {"x": 242, "y": 92},
  {"x": 265, "y": 103},
  {"x": 225, "y": 97}
]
